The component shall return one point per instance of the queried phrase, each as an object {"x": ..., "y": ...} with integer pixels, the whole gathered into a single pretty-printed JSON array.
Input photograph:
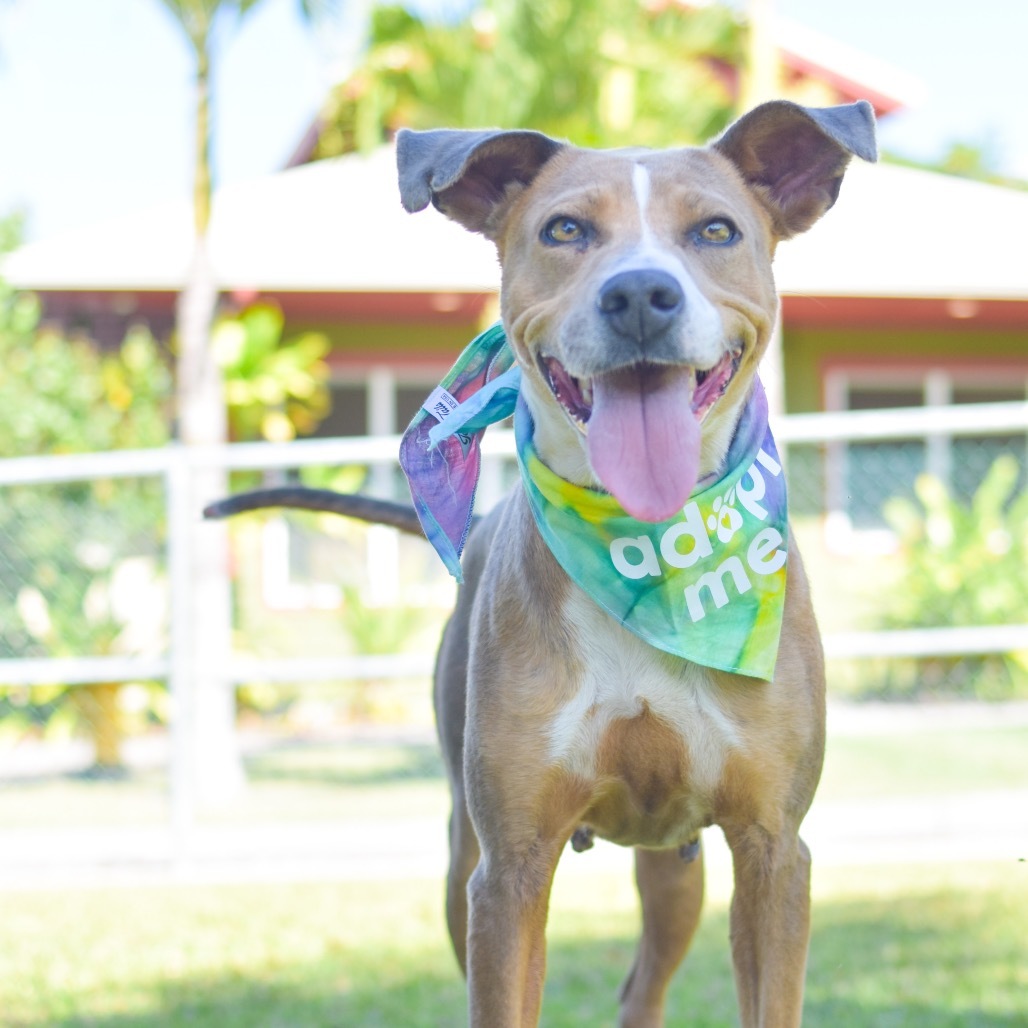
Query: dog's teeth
[{"x": 573, "y": 394}]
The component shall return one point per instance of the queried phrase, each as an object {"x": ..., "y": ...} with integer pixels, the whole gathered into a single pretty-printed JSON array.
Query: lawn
[{"x": 931, "y": 947}]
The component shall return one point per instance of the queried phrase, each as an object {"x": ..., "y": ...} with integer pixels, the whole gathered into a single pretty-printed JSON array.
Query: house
[
  {"x": 883, "y": 300},
  {"x": 912, "y": 291}
]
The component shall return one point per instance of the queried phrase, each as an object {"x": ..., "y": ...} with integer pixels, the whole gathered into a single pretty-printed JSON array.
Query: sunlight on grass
[
  {"x": 938, "y": 946},
  {"x": 920, "y": 763},
  {"x": 920, "y": 946}
]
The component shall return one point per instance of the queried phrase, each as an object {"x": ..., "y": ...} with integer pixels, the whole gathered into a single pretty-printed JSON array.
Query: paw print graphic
[{"x": 725, "y": 518}]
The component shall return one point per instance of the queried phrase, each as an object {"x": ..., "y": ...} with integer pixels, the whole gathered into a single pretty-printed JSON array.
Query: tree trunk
[
  {"x": 202, "y": 421},
  {"x": 98, "y": 704}
]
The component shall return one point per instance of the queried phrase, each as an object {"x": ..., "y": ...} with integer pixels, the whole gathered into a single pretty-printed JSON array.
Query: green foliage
[
  {"x": 197, "y": 17},
  {"x": 963, "y": 561},
  {"x": 376, "y": 630},
  {"x": 964, "y": 160},
  {"x": 274, "y": 389},
  {"x": 79, "y": 561},
  {"x": 60, "y": 395},
  {"x": 598, "y": 72},
  {"x": 964, "y": 565}
]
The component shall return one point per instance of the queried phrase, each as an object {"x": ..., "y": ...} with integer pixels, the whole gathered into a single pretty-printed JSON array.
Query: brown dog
[{"x": 638, "y": 298}]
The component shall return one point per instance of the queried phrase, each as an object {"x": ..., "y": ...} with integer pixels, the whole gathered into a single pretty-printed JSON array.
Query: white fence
[{"x": 176, "y": 466}]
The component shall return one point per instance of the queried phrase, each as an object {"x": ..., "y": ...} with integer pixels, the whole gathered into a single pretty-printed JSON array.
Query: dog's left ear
[
  {"x": 466, "y": 173},
  {"x": 794, "y": 157}
]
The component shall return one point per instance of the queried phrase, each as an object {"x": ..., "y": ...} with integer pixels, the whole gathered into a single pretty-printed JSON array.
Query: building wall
[{"x": 813, "y": 356}]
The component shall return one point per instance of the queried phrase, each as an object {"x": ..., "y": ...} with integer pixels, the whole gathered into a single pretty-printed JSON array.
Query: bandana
[
  {"x": 440, "y": 451},
  {"x": 707, "y": 584}
]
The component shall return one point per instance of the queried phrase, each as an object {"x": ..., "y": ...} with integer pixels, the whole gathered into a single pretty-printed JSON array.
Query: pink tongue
[{"x": 644, "y": 440}]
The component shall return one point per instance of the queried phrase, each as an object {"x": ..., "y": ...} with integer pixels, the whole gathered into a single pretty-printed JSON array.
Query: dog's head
[{"x": 636, "y": 285}]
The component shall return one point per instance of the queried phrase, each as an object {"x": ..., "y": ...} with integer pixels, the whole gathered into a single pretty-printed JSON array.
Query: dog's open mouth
[
  {"x": 576, "y": 395},
  {"x": 642, "y": 426}
]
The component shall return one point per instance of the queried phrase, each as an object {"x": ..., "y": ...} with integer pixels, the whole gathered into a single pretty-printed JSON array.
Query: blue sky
[{"x": 95, "y": 95}]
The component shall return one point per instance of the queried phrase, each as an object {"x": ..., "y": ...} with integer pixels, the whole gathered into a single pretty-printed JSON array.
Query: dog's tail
[{"x": 351, "y": 505}]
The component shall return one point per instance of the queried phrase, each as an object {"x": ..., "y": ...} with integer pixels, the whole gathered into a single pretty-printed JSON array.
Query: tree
[
  {"x": 599, "y": 72},
  {"x": 202, "y": 420},
  {"x": 976, "y": 161},
  {"x": 275, "y": 388}
]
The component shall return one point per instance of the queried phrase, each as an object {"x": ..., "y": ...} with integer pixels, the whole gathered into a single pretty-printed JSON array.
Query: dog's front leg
[
  {"x": 524, "y": 813},
  {"x": 508, "y": 900},
  {"x": 770, "y": 925}
]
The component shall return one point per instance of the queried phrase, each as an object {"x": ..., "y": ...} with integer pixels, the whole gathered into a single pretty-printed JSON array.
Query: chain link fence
[{"x": 82, "y": 575}]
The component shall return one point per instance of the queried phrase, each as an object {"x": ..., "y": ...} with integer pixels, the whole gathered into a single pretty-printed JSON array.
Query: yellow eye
[
  {"x": 720, "y": 230},
  {"x": 564, "y": 230}
]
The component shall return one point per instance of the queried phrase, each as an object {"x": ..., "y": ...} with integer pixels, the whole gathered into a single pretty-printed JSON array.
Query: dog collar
[{"x": 707, "y": 584}]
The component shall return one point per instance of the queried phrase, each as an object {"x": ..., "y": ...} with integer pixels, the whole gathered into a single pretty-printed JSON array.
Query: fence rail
[
  {"x": 976, "y": 419},
  {"x": 957, "y": 641}
]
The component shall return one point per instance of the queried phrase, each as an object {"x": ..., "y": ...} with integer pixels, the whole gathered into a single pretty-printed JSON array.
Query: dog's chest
[{"x": 642, "y": 720}]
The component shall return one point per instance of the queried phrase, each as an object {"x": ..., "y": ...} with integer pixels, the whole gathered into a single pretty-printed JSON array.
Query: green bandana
[{"x": 707, "y": 585}]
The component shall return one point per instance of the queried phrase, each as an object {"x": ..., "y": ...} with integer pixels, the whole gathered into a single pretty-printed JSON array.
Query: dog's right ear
[{"x": 468, "y": 174}]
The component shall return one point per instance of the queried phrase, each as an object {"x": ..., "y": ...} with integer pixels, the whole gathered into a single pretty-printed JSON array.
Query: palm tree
[
  {"x": 202, "y": 420},
  {"x": 201, "y": 410}
]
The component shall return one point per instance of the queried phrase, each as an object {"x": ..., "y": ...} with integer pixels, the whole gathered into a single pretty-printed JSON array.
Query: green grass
[
  {"x": 921, "y": 946},
  {"x": 932, "y": 947},
  {"x": 920, "y": 763},
  {"x": 358, "y": 781}
]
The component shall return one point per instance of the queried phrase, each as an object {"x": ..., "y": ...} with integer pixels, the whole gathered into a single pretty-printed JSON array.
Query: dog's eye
[
  {"x": 720, "y": 230},
  {"x": 564, "y": 230}
]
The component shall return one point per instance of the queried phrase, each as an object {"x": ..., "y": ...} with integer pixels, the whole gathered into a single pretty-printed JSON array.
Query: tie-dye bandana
[
  {"x": 707, "y": 585},
  {"x": 442, "y": 466}
]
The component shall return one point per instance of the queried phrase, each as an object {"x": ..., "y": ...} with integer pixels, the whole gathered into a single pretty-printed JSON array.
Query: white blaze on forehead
[
  {"x": 641, "y": 185},
  {"x": 702, "y": 321}
]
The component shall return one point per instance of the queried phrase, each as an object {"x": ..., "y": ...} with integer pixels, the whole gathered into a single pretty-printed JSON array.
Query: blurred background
[{"x": 221, "y": 801}]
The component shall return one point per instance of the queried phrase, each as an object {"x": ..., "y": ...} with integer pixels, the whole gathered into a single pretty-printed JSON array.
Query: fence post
[
  {"x": 216, "y": 759},
  {"x": 181, "y": 773}
]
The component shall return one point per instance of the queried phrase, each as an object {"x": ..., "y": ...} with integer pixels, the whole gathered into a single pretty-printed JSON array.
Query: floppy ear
[
  {"x": 466, "y": 173},
  {"x": 794, "y": 157}
]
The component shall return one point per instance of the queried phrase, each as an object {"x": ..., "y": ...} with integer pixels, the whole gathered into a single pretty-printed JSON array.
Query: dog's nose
[{"x": 641, "y": 304}]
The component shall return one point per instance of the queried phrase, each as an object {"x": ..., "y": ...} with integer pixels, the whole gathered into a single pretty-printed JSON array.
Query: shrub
[{"x": 963, "y": 565}]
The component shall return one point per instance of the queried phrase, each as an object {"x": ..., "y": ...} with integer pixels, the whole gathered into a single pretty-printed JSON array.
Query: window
[
  {"x": 382, "y": 401},
  {"x": 861, "y": 476},
  {"x": 302, "y": 568}
]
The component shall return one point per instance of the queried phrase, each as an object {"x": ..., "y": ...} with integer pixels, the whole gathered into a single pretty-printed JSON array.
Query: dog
[{"x": 637, "y": 299}]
